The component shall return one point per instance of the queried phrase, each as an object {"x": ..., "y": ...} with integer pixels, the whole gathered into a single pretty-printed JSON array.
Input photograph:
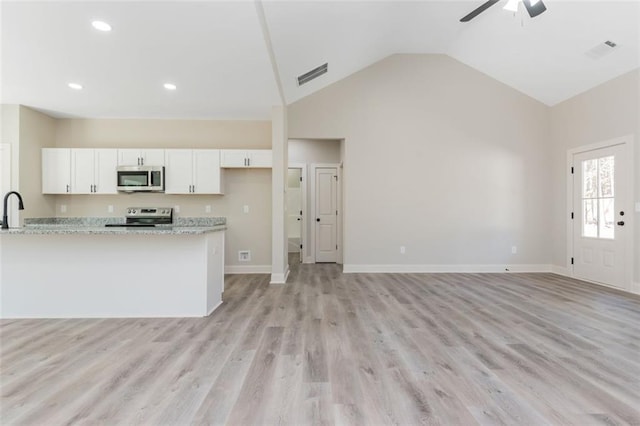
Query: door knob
[
  {"x": 299, "y": 219},
  {"x": 318, "y": 220},
  {"x": 621, "y": 223},
  {"x": 621, "y": 213}
]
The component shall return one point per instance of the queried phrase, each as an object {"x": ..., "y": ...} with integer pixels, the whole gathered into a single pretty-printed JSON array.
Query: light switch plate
[
  {"x": 207, "y": 208},
  {"x": 110, "y": 208},
  {"x": 245, "y": 209},
  {"x": 63, "y": 208}
]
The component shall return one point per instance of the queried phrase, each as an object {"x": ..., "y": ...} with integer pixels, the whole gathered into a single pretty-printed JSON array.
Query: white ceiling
[{"x": 216, "y": 53}]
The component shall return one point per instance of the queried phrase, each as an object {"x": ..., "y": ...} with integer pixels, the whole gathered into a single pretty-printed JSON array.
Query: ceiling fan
[{"x": 534, "y": 7}]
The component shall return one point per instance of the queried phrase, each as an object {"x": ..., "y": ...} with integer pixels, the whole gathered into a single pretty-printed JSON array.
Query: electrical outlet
[
  {"x": 637, "y": 207},
  {"x": 514, "y": 249},
  {"x": 245, "y": 209},
  {"x": 176, "y": 209},
  {"x": 207, "y": 208},
  {"x": 403, "y": 250},
  {"x": 110, "y": 208},
  {"x": 244, "y": 256},
  {"x": 63, "y": 208}
]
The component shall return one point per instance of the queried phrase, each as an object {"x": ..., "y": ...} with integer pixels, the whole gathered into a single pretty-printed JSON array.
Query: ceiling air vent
[
  {"x": 314, "y": 73},
  {"x": 601, "y": 49}
]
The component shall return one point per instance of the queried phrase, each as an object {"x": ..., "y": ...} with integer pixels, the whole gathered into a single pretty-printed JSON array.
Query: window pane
[
  {"x": 607, "y": 210},
  {"x": 590, "y": 218},
  {"x": 590, "y": 179},
  {"x": 606, "y": 166}
]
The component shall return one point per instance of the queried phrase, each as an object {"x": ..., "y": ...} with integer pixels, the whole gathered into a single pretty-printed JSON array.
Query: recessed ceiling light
[
  {"x": 170, "y": 86},
  {"x": 101, "y": 26},
  {"x": 75, "y": 86}
]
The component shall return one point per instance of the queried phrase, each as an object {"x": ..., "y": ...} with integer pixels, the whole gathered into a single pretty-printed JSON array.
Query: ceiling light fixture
[
  {"x": 170, "y": 86},
  {"x": 511, "y": 6},
  {"x": 101, "y": 26},
  {"x": 75, "y": 86},
  {"x": 533, "y": 2}
]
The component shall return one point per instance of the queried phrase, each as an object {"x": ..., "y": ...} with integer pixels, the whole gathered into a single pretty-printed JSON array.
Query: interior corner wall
[
  {"x": 608, "y": 111},
  {"x": 10, "y": 134},
  {"x": 37, "y": 131},
  {"x": 440, "y": 159},
  {"x": 250, "y": 187}
]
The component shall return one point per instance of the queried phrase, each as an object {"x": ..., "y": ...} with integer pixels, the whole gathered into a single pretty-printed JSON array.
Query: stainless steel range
[{"x": 146, "y": 216}]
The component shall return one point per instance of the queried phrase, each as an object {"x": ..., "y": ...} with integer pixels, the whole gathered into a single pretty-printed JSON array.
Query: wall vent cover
[
  {"x": 314, "y": 73},
  {"x": 602, "y": 49}
]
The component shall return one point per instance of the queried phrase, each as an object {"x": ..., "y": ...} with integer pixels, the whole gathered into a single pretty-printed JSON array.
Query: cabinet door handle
[
  {"x": 142, "y": 161},
  {"x": 248, "y": 161},
  {"x": 67, "y": 188}
]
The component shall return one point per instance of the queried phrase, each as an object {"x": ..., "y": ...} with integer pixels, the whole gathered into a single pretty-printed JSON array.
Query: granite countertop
[{"x": 96, "y": 226}]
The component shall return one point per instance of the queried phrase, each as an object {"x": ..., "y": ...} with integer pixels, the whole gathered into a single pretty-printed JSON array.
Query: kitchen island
[{"x": 78, "y": 268}]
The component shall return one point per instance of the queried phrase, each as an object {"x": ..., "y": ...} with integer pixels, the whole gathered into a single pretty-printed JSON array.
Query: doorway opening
[
  {"x": 296, "y": 217},
  {"x": 320, "y": 164}
]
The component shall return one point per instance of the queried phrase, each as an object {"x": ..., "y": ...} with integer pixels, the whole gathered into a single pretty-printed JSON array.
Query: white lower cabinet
[{"x": 193, "y": 171}]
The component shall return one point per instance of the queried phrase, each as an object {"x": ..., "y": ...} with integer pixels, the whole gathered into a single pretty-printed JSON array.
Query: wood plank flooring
[{"x": 329, "y": 348}]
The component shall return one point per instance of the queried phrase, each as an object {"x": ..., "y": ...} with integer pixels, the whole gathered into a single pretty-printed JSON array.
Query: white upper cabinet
[
  {"x": 104, "y": 173},
  {"x": 141, "y": 157},
  {"x": 193, "y": 171},
  {"x": 246, "y": 158},
  {"x": 79, "y": 171},
  {"x": 82, "y": 167},
  {"x": 56, "y": 170},
  {"x": 93, "y": 171}
]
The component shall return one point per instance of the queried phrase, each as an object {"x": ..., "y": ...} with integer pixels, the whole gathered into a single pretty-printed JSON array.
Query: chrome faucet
[{"x": 5, "y": 219}]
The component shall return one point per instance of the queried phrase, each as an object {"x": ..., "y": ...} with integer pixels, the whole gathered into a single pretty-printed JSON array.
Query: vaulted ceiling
[{"x": 226, "y": 58}]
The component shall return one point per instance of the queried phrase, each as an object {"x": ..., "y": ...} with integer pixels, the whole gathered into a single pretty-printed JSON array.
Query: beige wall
[
  {"x": 247, "y": 231},
  {"x": 438, "y": 158},
  {"x": 307, "y": 151},
  {"x": 37, "y": 131},
  {"x": 608, "y": 111}
]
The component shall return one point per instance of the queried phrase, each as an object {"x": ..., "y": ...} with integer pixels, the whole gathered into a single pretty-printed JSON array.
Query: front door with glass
[{"x": 599, "y": 215}]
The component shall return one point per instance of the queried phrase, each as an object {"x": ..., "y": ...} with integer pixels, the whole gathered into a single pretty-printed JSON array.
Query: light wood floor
[{"x": 454, "y": 349}]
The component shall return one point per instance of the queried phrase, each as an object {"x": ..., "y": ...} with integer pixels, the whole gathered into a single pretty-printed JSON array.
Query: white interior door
[
  {"x": 601, "y": 209},
  {"x": 326, "y": 214}
]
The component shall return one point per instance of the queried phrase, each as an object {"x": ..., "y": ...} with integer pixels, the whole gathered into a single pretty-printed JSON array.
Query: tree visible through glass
[{"x": 598, "y": 204}]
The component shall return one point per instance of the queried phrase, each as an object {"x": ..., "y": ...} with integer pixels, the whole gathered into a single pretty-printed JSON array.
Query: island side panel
[
  {"x": 67, "y": 276},
  {"x": 215, "y": 270}
]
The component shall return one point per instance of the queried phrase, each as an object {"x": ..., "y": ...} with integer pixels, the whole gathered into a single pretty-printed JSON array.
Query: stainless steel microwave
[{"x": 140, "y": 178}]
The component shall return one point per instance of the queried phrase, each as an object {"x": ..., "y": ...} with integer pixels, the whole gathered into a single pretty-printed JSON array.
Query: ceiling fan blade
[
  {"x": 536, "y": 9},
  {"x": 479, "y": 10}
]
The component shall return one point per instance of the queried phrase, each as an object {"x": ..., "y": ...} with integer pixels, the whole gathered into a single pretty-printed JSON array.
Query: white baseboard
[
  {"x": 214, "y": 308},
  {"x": 247, "y": 269},
  {"x": 349, "y": 269},
  {"x": 561, "y": 270},
  {"x": 280, "y": 278}
]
